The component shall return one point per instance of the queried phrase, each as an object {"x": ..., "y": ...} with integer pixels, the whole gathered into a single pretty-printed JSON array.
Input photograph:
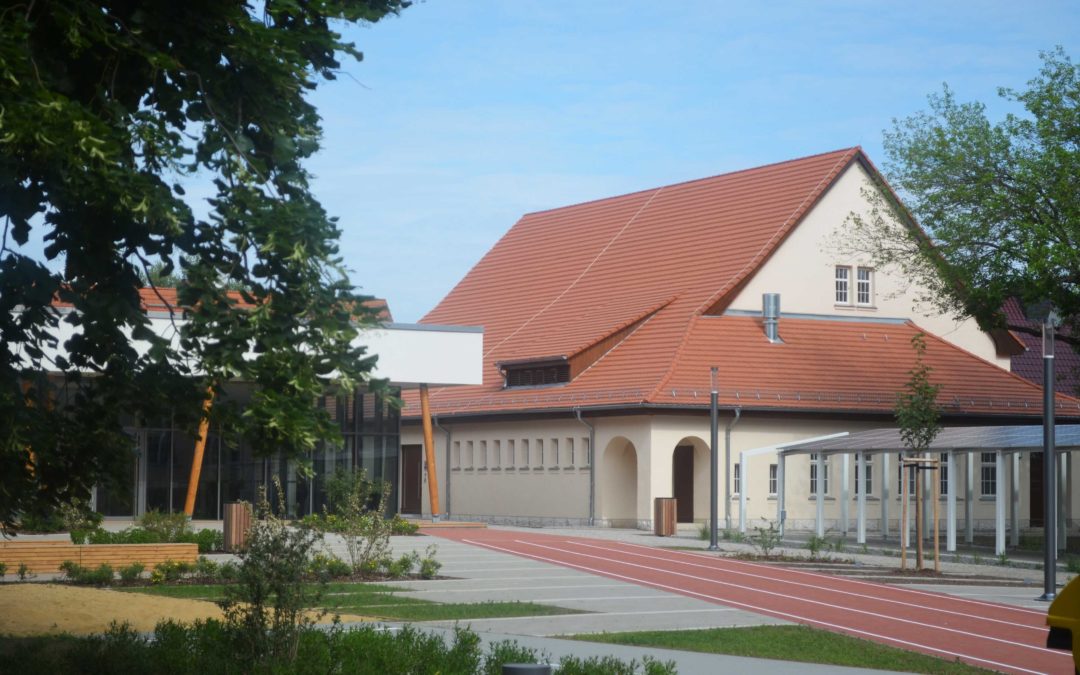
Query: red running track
[{"x": 986, "y": 634}]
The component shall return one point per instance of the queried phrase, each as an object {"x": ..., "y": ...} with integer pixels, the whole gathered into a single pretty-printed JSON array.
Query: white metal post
[
  {"x": 969, "y": 499},
  {"x": 780, "y": 515},
  {"x": 886, "y": 479},
  {"x": 860, "y": 489},
  {"x": 999, "y": 503},
  {"x": 950, "y": 507},
  {"x": 821, "y": 494},
  {"x": 1014, "y": 500},
  {"x": 845, "y": 498},
  {"x": 744, "y": 480}
]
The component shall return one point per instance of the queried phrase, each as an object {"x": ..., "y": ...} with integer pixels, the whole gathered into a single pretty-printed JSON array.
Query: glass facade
[{"x": 232, "y": 471}]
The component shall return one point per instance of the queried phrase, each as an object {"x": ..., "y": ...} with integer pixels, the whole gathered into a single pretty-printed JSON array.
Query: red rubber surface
[{"x": 990, "y": 635}]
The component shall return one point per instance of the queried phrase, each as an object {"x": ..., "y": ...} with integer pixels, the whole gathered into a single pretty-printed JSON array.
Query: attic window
[{"x": 536, "y": 374}]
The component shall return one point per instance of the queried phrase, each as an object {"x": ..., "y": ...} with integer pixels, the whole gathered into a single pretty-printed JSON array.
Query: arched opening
[
  {"x": 618, "y": 483},
  {"x": 690, "y": 479}
]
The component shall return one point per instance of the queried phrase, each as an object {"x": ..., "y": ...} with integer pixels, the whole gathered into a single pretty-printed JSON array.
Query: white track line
[
  {"x": 818, "y": 575},
  {"x": 719, "y": 569},
  {"x": 771, "y": 612},
  {"x": 788, "y": 596}
]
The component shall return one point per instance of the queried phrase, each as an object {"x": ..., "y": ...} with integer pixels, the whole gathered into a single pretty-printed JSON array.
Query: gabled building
[{"x": 602, "y": 321}]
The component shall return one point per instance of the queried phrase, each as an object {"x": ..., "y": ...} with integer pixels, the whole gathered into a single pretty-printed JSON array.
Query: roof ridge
[
  {"x": 855, "y": 148},
  {"x": 781, "y": 232},
  {"x": 579, "y": 277}
]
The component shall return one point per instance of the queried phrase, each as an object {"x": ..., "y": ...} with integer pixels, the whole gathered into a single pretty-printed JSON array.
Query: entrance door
[
  {"x": 411, "y": 476},
  {"x": 682, "y": 471},
  {"x": 1035, "y": 505}
]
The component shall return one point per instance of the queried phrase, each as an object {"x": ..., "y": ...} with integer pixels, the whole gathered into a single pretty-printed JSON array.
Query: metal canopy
[{"x": 1007, "y": 438}]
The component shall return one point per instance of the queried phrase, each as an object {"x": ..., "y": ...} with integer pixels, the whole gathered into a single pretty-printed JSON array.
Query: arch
[
  {"x": 690, "y": 478},
  {"x": 618, "y": 483}
]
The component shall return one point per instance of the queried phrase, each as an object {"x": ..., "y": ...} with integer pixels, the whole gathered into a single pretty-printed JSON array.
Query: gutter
[
  {"x": 727, "y": 468},
  {"x": 592, "y": 467},
  {"x": 446, "y": 469}
]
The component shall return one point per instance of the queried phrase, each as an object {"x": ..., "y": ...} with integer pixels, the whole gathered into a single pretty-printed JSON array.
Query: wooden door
[
  {"x": 412, "y": 488},
  {"x": 682, "y": 471}
]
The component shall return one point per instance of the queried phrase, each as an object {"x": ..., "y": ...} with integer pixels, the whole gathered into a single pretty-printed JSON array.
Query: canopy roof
[{"x": 1011, "y": 438}]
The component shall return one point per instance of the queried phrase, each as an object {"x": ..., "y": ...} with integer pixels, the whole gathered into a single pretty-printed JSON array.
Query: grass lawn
[
  {"x": 385, "y": 602},
  {"x": 788, "y": 643}
]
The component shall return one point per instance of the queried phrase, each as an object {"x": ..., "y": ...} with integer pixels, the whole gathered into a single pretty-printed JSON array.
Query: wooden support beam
[
  {"x": 429, "y": 451},
  {"x": 200, "y": 448}
]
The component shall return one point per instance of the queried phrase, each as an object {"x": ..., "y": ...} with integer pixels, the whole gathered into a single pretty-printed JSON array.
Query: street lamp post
[
  {"x": 1050, "y": 321},
  {"x": 714, "y": 464}
]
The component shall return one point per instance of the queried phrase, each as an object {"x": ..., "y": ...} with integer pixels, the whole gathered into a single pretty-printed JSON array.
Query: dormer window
[{"x": 535, "y": 374}]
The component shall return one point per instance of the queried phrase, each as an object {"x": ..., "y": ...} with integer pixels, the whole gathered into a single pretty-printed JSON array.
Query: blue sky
[{"x": 464, "y": 115}]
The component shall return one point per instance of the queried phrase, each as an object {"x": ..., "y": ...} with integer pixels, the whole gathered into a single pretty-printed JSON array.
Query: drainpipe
[
  {"x": 727, "y": 468},
  {"x": 435, "y": 421},
  {"x": 592, "y": 467}
]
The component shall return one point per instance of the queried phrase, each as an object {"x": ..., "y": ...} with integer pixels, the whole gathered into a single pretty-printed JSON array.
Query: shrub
[
  {"x": 402, "y": 527},
  {"x": 429, "y": 566},
  {"x": 324, "y": 566},
  {"x": 3, "y": 569},
  {"x": 265, "y": 609},
  {"x": 403, "y": 566},
  {"x": 228, "y": 571},
  {"x": 170, "y": 571},
  {"x": 766, "y": 539},
  {"x": 816, "y": 545},
  {"x": 23, "y": 572},
  {"x": 205, "y": 568},
  {"x": 132, "y": 572},
  {"x": 365, "y": 531},
  {"x": 168, "y": 526},
  {"x": 42, "y": 522},
  {"x": 84, "y": 576},
  {"x": 209, "y": 540}
]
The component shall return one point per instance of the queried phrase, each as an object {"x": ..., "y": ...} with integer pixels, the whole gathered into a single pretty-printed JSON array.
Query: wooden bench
[{"x": 46, "y": 556}]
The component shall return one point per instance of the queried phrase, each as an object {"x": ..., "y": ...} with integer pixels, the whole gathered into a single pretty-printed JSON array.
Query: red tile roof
[
  {"x": 562, "y": 280},
  {"x": 1029, "y": 364}
]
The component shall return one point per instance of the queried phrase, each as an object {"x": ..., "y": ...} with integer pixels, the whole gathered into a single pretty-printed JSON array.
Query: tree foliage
[
  {"x": 108, "y": 109},
  {"x": 1000, "y": 201},
  {"x": 917, "y": 412}
]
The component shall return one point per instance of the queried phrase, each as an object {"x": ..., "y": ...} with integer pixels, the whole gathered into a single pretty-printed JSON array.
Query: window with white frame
[
  {"x": 843, "y": 285},
  {"x": 814, "y": 476},
  {"x": 867, "y": 482},
  {"x": 736, "y": 478},
  {"x": 988, "y": 474},
  {"x": 864, "y": 286},
  {"x": 772, "y": 479}
]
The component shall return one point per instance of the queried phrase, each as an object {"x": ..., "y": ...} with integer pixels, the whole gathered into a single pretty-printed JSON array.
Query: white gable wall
[{"x": 802, "y": 271}]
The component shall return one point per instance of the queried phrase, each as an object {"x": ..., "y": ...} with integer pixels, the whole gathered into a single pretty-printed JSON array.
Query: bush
[
  {"x": 402, "y": 527},
  {"x": 84, "y": 576},
  {"x": 23, "y": 572},
  {"x": 429, "y": 566},
  {"x": 816, "y": 545},
  {"x": 132, "y": 572},
  {"x": 168, "y": 526},
  {"x": 265, "y": 609},
  {"x": 170, "y": 571},
  {"x": 205, "y": 568},
  {"x": 766, "y": 539},
  {"x": 228, "y": 572},
  {"x": 323, "y": 566},
  {"x": 403, "y": 566},
  {"x": 3, "y": 569}
]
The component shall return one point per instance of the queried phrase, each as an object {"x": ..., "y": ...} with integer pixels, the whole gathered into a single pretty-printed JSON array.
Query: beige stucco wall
[
  {"x": 634, "y": 466},
  {"x": 802, "y": 271}
]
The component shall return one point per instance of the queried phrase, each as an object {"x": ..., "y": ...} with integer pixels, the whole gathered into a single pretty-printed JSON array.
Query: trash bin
[
  {"x": 237, "y": 522},
  {"x": 664, "y": 511}
]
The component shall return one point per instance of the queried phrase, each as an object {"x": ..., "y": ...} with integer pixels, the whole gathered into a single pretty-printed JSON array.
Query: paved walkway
[{"x": 983, "y": 633}]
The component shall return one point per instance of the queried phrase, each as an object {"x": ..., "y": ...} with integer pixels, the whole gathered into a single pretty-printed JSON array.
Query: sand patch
[{"x": 34, "y": 609}]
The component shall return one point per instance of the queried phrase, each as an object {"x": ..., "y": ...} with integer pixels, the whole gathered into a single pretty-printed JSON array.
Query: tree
[
  {"x": 107, "y": 109},
  {"x": 917, "y": 416},
  {"x": 1000, "y": 201}
]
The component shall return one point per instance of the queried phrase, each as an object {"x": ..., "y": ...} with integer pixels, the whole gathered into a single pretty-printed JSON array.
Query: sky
[{"x": 466, "y": 114}]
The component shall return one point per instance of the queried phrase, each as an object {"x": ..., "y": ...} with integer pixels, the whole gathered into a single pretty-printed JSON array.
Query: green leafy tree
[
  {"x": 107, "y": 109},
  {"x": 1000, "y": 201},
  {"x": 918, "y": 417}
]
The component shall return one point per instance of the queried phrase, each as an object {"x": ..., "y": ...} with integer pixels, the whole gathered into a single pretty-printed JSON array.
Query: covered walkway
[{"x": 1006, "y": 442}]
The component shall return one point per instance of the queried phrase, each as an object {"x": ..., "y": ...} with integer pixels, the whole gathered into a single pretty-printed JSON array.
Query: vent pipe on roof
[{"x": 770, "y": 311}]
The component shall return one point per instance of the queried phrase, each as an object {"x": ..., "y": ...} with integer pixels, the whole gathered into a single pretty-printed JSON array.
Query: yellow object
[{"x": 1064, "y": 620}]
